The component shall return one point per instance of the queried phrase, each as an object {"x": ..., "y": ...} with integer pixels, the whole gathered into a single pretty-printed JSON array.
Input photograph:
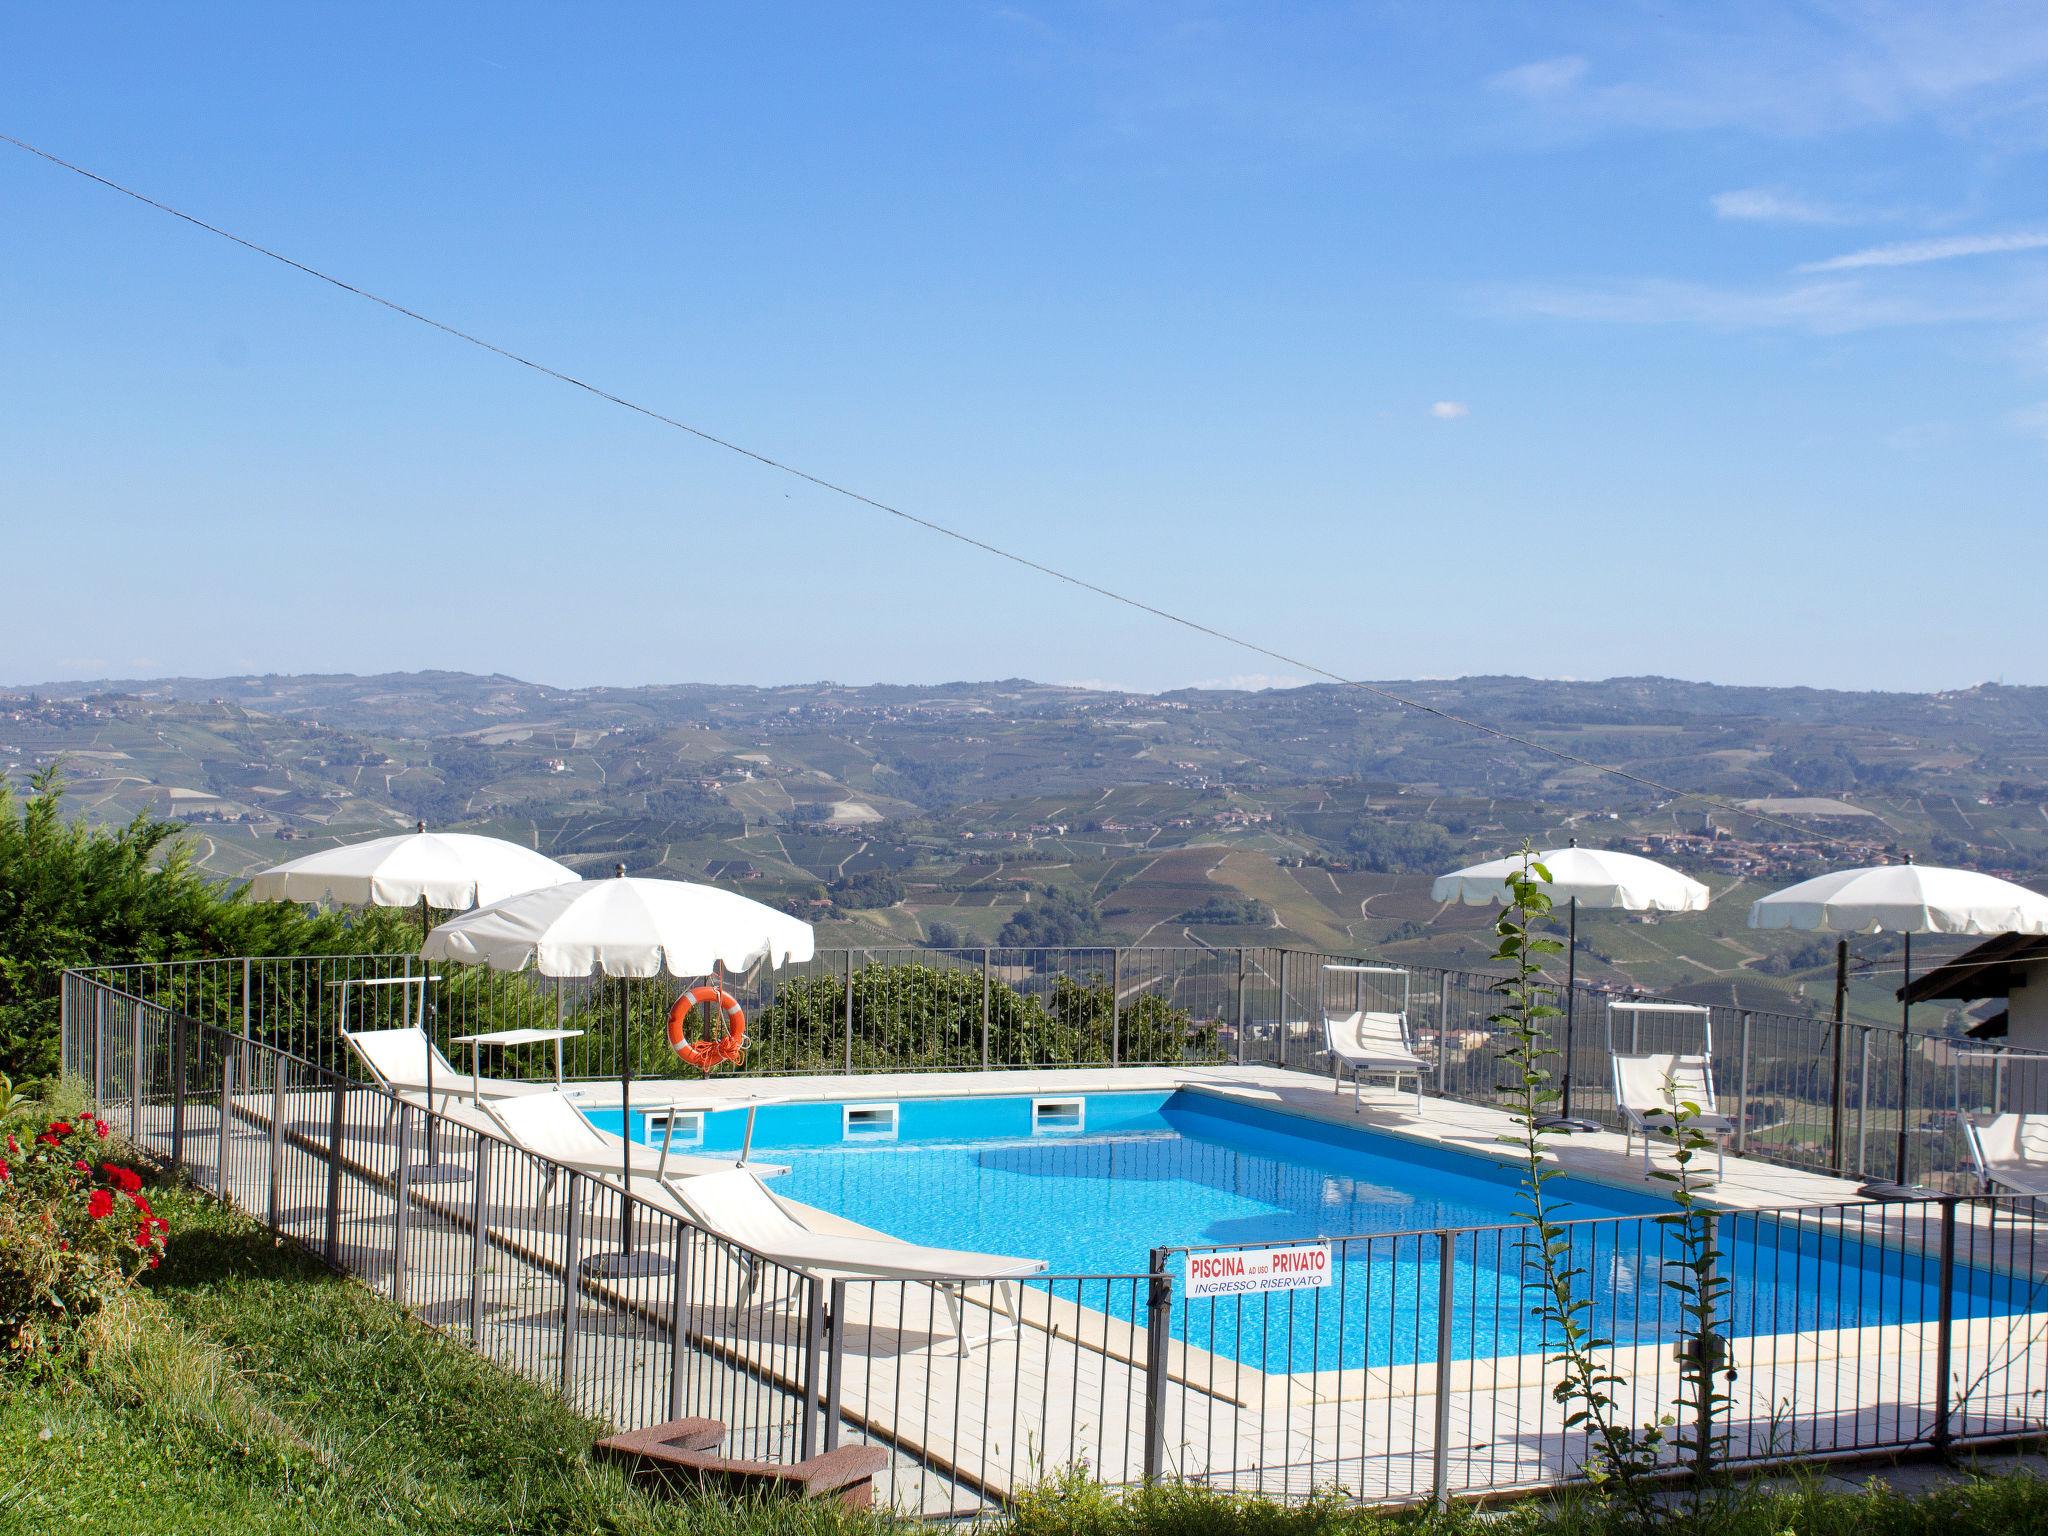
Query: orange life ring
[{"x": 706, "y": 1054}]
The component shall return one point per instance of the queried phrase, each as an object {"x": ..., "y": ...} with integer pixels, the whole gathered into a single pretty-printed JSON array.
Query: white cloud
[
  {"x": 1913, "y": 253},
  {"x": 1827, "y": 307},
  {"x": 1543, "y": 79},
  {"x": 1971, "y": 67},
  {"x": 1762, "y": 205},
  {"x": 1450, "y": 410}
]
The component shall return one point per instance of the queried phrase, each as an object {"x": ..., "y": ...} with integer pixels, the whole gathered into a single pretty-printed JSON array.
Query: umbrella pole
[
  {"x": 625, "y": 1124},
  {"x": 1561, "y": 1118},
  {"x": 1905, "y": 1055},
  {"x": 424, "y": 1032},
  {"x": 1571, "y": 1001},
  {"x": 1838, "y": 1150}
]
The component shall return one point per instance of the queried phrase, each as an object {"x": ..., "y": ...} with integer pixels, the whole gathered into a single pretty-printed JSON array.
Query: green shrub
[
  {"x": 75, "y": 894},
  {"x": 912, "y": 1014}
]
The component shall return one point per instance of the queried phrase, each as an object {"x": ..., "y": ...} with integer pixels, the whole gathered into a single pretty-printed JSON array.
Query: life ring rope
[{"x": 707, "y": 1054}]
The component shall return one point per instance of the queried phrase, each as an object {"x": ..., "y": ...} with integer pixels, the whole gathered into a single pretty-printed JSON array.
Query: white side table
[{"x": 504, "y": 1037}]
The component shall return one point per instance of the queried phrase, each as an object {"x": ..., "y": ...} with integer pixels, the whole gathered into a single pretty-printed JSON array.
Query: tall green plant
[
  {"x": 1623, "y": 1457},
  {"x": 1698, "y": 1281},
  {"x": 1620, "y": 1458}
]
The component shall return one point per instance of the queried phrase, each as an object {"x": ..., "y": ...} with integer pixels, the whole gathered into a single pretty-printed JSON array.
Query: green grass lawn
[{"x": 252, "y": 1390}]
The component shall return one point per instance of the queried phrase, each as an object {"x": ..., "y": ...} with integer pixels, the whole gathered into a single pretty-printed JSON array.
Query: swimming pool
[{"x": 1091, "y": 1183}]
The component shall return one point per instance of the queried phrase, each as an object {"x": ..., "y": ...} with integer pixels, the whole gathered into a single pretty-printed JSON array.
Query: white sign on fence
[{"x": 1246, "y": 1271}]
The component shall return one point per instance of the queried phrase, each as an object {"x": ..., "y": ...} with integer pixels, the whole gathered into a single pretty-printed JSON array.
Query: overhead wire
[{"x": 821, "y": 482}]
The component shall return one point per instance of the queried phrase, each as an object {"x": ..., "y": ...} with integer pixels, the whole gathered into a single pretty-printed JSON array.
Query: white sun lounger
[
  {"x": 735, "y": 1205},
  {"x": 1649, "y": 1087},
  {"x": 398, "y": 1062},
  {"x": 551, "y": 1127},
  {"x": 1366, "y": 1042},
  {"x": 2011, "y": 1152}
]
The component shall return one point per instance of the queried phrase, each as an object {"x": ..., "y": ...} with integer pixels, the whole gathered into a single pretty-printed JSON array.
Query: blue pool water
[{"x": 1093, "y": 1193}]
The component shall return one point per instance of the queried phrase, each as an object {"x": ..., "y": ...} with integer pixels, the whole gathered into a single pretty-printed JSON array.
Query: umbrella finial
[{"x": 619, "y": 870}]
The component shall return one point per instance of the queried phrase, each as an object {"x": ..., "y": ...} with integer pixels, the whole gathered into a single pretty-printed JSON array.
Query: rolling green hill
[{"x": 1310, "y": 816}]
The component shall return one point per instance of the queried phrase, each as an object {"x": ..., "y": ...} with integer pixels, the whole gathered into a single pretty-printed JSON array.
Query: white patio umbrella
[
  {"x": 453, "y": 871},
  {"x": 1904, "y": 899},
  {"x": 448, "y": 870},
  {"x": 1597, "y": 877},
  {"x": 624, "y": 927}
]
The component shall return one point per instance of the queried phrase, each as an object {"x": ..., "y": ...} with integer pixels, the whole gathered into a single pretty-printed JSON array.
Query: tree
[
  {"x": 872, "y": 888},
  {"x": 1392, "y": 847},
  {"x": 1057, "y": 919},
  {"x": 75, "y": 894},
  {"x": 1221, "y": 911}
]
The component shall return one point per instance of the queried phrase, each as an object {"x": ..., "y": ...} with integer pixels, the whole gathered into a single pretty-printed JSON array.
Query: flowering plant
[{"x": 75, "y": 1228}]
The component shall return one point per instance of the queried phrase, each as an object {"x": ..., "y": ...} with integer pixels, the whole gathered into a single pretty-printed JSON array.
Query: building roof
[{"x": 1992, "y": 969}]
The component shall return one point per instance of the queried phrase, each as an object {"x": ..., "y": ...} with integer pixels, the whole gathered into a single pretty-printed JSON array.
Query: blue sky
[{"x": 1719, "y": 334}]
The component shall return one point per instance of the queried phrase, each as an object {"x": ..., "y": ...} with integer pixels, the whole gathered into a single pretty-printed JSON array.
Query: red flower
[
  {"x": 12, "y": 1144},
  {"x": 141, "y": 1203},
  {"x": 101, "y": 1203},
  {"x": 3, "y": 1170},
  {"x": 60, "y": 1127},
  {"x": 81, "y": 1165},
  {"x": 99, "y": 1129},
  {"x": 47, "y": 1139},
  {"x": 126, "y": 1179},
  {"x": 154, "y": 1261}
]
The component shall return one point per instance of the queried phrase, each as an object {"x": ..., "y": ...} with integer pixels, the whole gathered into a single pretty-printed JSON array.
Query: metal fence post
[
  {"x": 1863, "y": 1106},
  {"x": 849, "y": 1012},
  {"x": 1944, "y": 1342},
  {"x": 572, "y": 1281},
  {"x": 1446, "y": 1303},
  {"x": 401, "y": 1195},
  {"x": 135, "y": 1075},
  {"x": 835, "y": 1365},
  {"x": 1158, "y": 1323},
  {"x": 1742, "y": 1088},
  {"x": 247, "y": 995},
  {"x": 678, "y": 1322},
  {"x": 1240, "y": 1004},
  {"x": 1116, "y": 992},
  {"x": 984, "y": 1008},
  {"x": 1443, "y": 1029},
  {"x": 814, "y": 1358},
  {"x": 99, "y": 1048},
  {"x": 334, "y": 1126},
  {"x": 177, "y": 1090},
  {"x": 1280, "y": 1024},
  {"x": 479, "y": 1218},
  {"x": 274, "y": 1208},
  {"x": 227, "y": 1099}
]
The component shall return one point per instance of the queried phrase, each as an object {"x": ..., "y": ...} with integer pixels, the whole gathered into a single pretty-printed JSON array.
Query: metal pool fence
[
  {"x": 1802, "y": 1090},
  {"x": 1417, "y": 1372}
]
